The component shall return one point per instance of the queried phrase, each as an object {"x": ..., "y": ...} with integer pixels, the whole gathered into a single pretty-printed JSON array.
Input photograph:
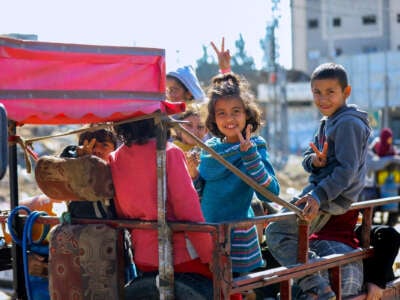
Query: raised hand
[
  {"x": 245, "y": 143},
  {"x": 87, "y": 147},
  {"x": 224, "y": 57},
  {"x": 319, "y": 157}
]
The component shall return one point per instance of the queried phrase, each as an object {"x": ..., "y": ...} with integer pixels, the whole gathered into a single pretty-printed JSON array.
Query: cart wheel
[{"x": 187, "y": 286}]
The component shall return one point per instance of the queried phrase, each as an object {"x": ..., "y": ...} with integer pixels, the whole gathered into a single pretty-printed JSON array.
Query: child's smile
[{"x": 230, "y": 117}]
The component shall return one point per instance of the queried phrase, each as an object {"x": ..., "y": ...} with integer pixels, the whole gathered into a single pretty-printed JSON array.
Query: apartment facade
[{"x": 323, "y": 30}]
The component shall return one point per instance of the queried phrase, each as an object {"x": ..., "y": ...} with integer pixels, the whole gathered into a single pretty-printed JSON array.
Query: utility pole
[{"x": 277, "y": 116}]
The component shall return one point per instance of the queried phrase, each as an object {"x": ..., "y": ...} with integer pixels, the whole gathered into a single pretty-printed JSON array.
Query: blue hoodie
[
  {"x": 341, "y": 181},
  {"x": 226, "y": 197}
]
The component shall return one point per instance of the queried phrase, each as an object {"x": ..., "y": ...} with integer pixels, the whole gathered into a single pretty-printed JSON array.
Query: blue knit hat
[{"x": 188, "y": 77}]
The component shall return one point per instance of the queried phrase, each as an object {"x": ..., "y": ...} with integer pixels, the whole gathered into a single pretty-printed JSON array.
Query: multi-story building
[
  {"x": 326, "y": 29},
  {"x": 363, "y": 36}
]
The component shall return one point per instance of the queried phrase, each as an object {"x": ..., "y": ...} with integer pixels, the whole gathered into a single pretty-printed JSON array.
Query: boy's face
[{"x": 328, "y": 95}]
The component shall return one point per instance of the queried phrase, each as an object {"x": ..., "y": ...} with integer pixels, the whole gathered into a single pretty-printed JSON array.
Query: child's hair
[
  {"x": 331, "y": 71},
  {"x": 230, "y": 85},
  {"x": 101, "y": 135},
  {"x": 136, "y": 132}
]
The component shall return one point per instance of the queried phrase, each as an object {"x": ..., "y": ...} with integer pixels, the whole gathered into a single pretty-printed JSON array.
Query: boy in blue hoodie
[{"x": 336, "y": 163}]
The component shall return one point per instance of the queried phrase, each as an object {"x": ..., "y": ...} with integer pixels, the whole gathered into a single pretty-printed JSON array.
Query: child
[
  {"x": 195, "y": 125},
  {"x": 183, "y": 85},
  {"x": 134, "y": 173},
  {"x": 232, "y": 117},
  {"x": 99, "y": 143},
  {"x": 336, "y": 163}
]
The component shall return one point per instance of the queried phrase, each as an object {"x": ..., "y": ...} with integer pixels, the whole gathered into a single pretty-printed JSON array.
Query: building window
[
  {"x": 312, "y": 23},
  {"x": 369, "y": 20},
  {"x": 369, "y": 49},
  {"x": 336, "y": 22},
  {"x": 313, "y": 54},
  {"x": 398, "y": 18}
]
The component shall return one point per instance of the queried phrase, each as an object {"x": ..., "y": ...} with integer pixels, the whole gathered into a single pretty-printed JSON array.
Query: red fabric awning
[{"x": 55, "y": 83}]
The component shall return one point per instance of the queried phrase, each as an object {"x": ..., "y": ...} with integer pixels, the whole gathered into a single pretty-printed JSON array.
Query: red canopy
[{"x": 55, "y": 83}]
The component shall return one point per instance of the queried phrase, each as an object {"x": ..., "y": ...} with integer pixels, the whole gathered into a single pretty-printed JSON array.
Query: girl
[
  {"x": 232, "y": 117},
  {"x": 134, "y": 173}
]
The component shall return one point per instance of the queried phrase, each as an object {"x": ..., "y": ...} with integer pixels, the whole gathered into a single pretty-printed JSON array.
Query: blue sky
[{"x": 178, "y": 26}]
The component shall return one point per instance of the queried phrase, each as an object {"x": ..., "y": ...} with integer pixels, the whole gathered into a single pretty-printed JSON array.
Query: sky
[{"x": 181, "y": 27}]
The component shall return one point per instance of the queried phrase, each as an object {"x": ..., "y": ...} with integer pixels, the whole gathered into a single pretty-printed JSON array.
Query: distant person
[
  {"x": 383, "y": 146},
  {"x": 233, "y": 117},
  {"x": 336, "y": 161}
]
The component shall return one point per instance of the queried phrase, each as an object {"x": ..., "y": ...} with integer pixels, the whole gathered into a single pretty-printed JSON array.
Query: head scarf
[{"x": 383, "y": 147}]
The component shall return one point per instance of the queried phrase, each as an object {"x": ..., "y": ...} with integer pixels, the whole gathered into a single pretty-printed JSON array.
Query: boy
[{"x": 336, "y": 163}]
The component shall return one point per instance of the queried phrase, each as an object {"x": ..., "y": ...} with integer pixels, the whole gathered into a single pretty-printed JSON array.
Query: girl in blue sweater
[{"x": 232, "y": 118}]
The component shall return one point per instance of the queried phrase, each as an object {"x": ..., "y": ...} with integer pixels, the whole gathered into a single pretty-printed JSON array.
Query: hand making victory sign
[
  {"x": 87, "y": 147},
  {"x": 224, "y": 57},
  {"x": 245, "y": 144},
  {"x": 319, "y": 157}
]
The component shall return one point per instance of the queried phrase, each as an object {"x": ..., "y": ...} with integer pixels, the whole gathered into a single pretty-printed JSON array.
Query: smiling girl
[{"x": 232, "y": 118}]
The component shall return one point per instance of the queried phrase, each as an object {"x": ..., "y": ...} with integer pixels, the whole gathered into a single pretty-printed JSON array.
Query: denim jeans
[
  {"x": 282, "y": 241},
  {"x": 352, "y": 273}
]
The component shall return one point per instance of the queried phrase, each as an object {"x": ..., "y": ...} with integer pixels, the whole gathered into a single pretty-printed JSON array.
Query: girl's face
[
  {"x": 230, "y": 117},
  {"x": 175, "y": 92},
  {"x": 196, "y": 126}
]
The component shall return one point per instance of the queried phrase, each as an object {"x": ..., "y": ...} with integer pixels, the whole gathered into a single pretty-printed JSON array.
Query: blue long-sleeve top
[{"x": 226, "y": 197}]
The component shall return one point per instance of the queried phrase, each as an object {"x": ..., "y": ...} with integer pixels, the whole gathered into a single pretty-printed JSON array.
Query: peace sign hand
[
  {"x": 319, "y": 157},
  {"x": 86, "y": 148},
  {"x": 245, "y": 144},
  {"x": 224, "y": 56}
]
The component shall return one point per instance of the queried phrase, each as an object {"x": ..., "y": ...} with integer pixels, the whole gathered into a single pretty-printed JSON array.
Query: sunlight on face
[
  {"x": 328, "y": 95},
  {"x": 175, "y": 91},
  {"x": 196, "y": 126},
  {"x": 230, "y": 117}
]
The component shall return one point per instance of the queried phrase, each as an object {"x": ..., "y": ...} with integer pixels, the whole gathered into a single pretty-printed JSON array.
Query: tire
[{"x": 187, "y": 286}]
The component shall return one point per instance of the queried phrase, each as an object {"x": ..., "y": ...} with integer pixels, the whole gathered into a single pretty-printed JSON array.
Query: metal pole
[
  {"x": 165, "y": 255},
  {"x": 16, "y": 251}
]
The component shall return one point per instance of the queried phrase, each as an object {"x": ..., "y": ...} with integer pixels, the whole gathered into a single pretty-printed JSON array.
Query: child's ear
[{"x": 347, "y": 91}]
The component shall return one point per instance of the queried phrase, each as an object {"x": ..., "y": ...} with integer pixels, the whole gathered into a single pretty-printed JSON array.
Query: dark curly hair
[
  {"x": 101, "y": 135},
  {"x": 136, "y": 132},
  {"x": 230, "y": 85}
]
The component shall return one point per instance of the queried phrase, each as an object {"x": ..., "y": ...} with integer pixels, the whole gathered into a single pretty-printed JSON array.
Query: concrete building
[{"x": 325, "y": 29}]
